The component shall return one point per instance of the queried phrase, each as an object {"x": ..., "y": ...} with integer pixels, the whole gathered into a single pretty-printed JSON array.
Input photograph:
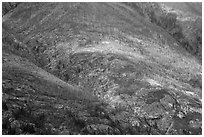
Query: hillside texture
[{"x": 102, "y": 68}]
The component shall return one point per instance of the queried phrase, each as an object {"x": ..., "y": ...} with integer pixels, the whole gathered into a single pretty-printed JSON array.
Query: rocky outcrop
[
  {"x": 185, "y": 26},
  {"x": 7, "y": 6}
]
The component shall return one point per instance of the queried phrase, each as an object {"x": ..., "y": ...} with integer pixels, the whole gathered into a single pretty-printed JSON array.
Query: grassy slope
[{"x": 112, "y": 51}]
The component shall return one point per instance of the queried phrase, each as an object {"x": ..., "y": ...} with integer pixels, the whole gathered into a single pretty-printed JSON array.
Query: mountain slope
[{"x": 107, "y": 68}]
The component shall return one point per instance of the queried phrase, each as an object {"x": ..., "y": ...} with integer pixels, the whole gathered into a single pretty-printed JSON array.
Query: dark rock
[{"x": 100, "y": 129}]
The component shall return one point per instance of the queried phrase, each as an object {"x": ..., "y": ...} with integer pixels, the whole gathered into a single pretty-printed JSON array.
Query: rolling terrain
[{"x": 102, "y": 68}]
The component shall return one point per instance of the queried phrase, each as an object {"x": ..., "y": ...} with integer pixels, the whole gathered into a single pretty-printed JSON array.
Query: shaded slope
[
  {"x": 8, "y": 6},
  {"x": 31, "y": 98},
  {"x": 144, "y": 80},
  {"x": 181, "y": 22}
]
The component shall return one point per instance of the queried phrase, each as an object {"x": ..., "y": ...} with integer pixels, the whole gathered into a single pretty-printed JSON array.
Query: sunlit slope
[
  {"x": 149, "y": 83},
  {"x": 77, "y": 24}
]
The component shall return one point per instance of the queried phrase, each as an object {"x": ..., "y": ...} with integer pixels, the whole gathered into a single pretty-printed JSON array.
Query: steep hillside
[{"x": 102, "y": 68}]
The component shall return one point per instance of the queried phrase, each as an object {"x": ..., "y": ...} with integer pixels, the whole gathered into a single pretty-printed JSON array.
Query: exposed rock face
[
  {"x": 101, "y": 68},
  {"x": 7, "y": 6},
  {"x": 185, "y": 27}
]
